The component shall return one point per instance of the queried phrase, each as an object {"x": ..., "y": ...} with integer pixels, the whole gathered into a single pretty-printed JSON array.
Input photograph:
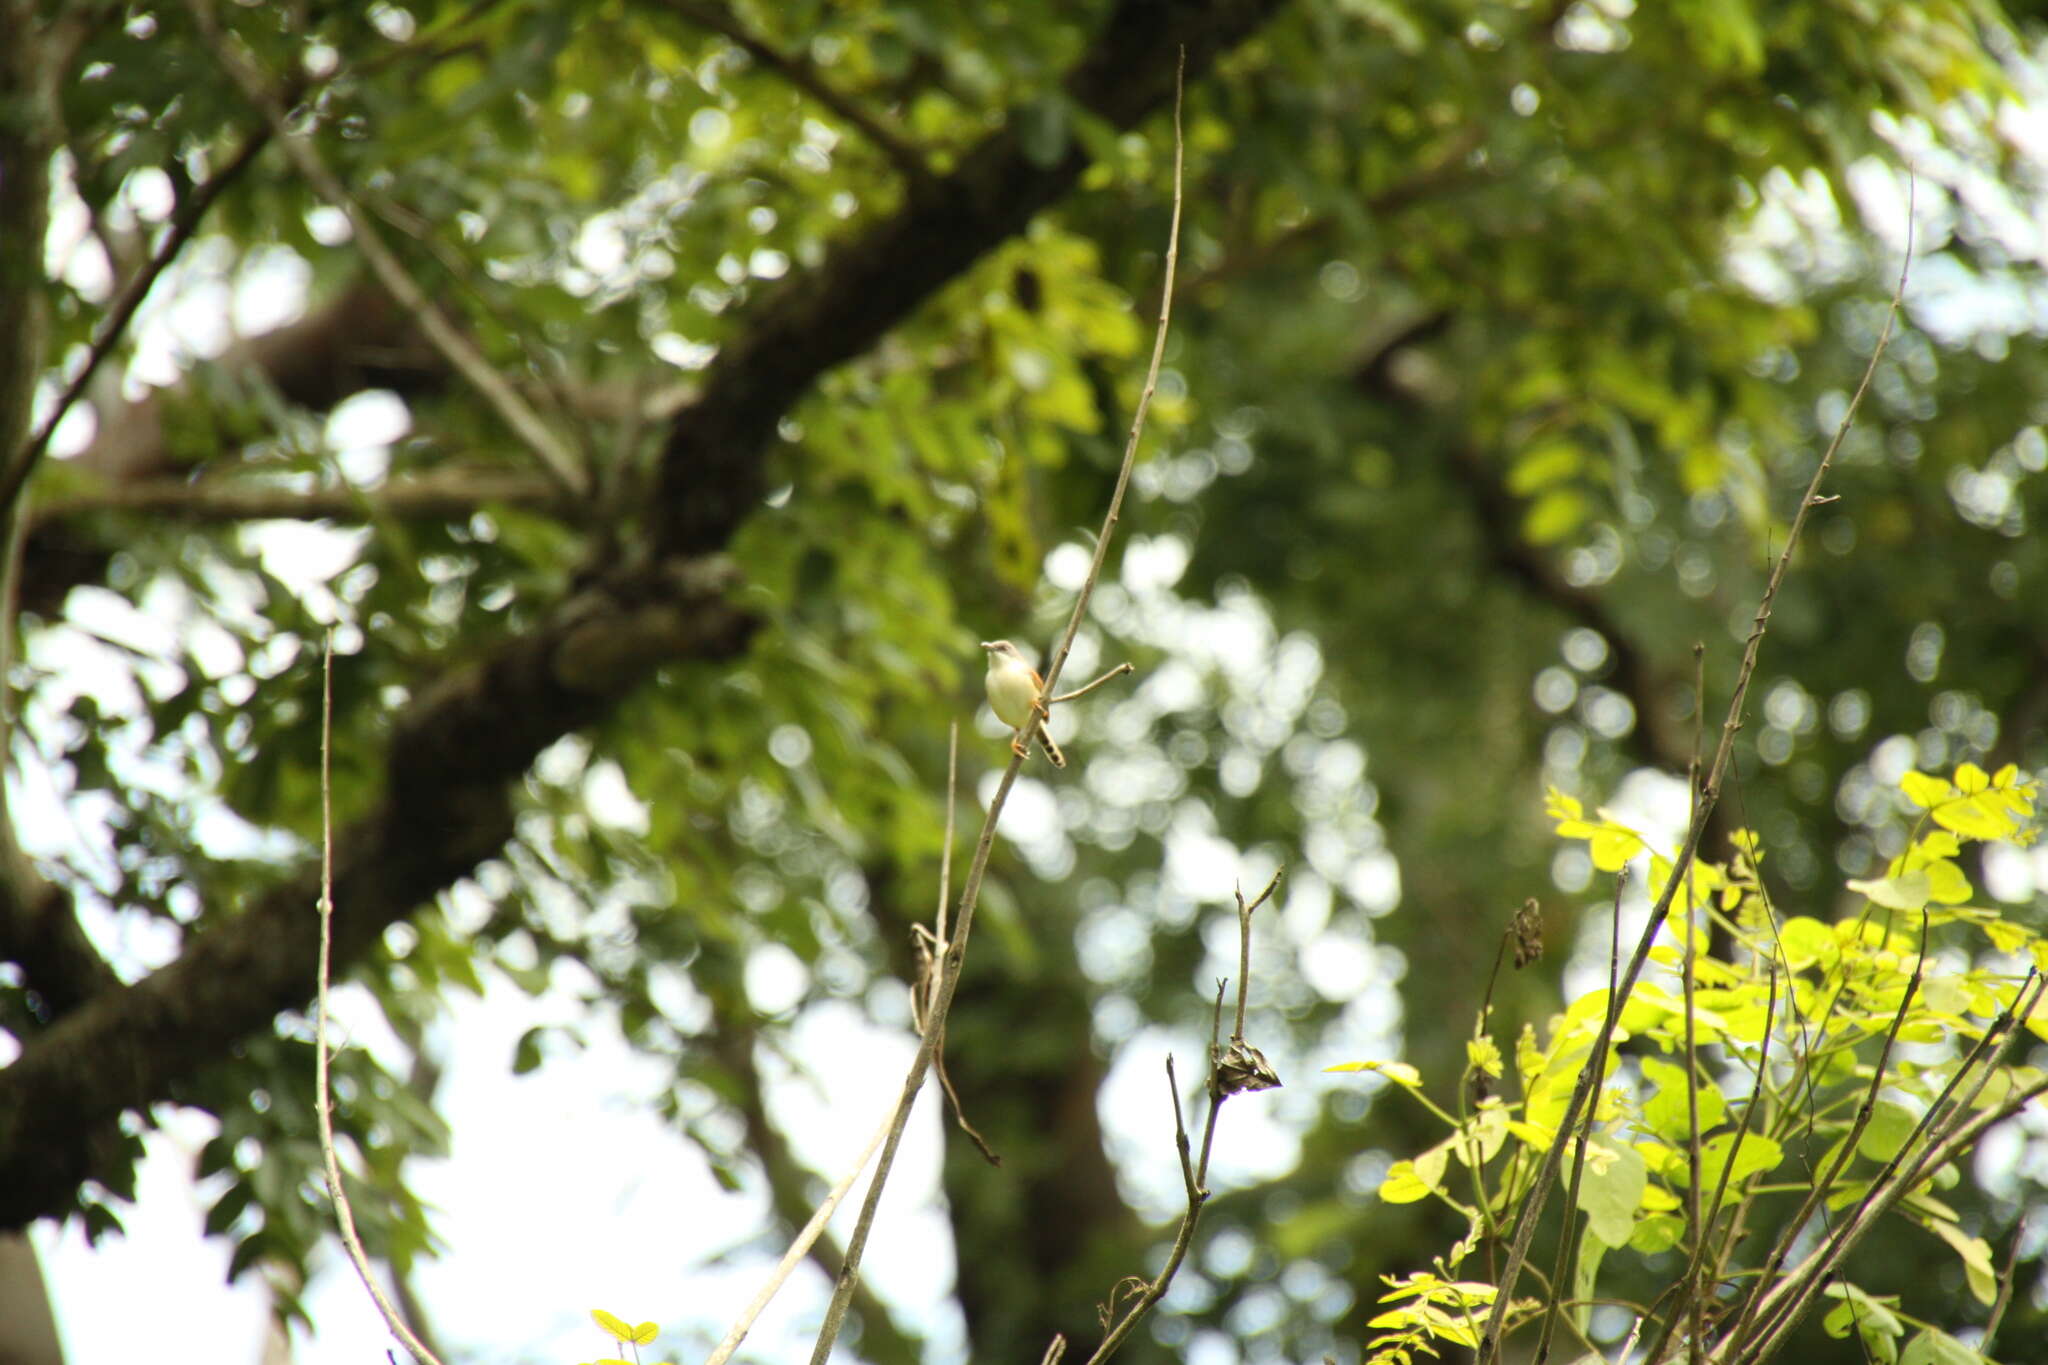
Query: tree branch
[
  {"x": 114, "y": 322},
  {"x": 712, "y": 469},
  {"x": 38, "y": 931},
  {"x": 440, "y": 493},
  {"x": 457, "y": 349},
  {"x": 802, "y": 73}
]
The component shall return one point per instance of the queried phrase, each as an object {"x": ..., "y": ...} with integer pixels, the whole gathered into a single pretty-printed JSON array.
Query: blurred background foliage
[{"x": 1506, "y": 335}]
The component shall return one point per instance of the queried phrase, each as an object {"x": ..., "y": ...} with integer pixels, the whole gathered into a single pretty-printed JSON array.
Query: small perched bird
[{"x": 1013, "y": 688}]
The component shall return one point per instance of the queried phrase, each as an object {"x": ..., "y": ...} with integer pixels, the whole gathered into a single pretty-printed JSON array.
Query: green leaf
[
  {"x": 616, "y": 1326},
  {"x": 1611, "y": 1189},
  {"x": 526, "y": 1054},
  {"x": 1885, "y": 1136},
  {"x": 1755, "y": 1155},
  {"x": 1936, "y": 1347},
  {"x": 1658, "y": 1232},
  {"x": 1907, "y": 891},
  {"x": 1408, "y": 1181},
  {"x": 1556, "y": 515},
  {"x": 1924, "y": 791},
  {"x": 1870, "y": 1316},
  {"x": 1669, "y": 1110},
  {"x": 1543, "y": 465}
]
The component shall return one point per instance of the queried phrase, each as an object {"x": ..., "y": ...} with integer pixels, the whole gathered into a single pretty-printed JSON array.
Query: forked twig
[
  {"x": 931, "y": 947},
  {"x": 1231, "y": 1069}
]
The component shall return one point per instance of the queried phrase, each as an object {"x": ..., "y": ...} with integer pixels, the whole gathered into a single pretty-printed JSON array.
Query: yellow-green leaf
[
  {"x": 1924, "y": 791},
  {"x": 1907, "y": 891},
  {"x": 1408, "y": 1181},
  {"x": 1400, "y": 1073}
]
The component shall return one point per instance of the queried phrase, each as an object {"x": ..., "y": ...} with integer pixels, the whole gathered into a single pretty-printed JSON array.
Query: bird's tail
[{"x": 1052, "y": 750}]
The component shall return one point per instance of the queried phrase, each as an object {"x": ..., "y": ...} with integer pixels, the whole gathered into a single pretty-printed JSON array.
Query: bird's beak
[{"x": 990, "y": 644}]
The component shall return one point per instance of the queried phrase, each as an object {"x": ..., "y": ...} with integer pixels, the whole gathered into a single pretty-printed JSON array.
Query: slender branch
[
  {"x": 1681, "y": 870},
  {"x": 1244, "y": 942},
  {"x": 1123, "y": 478},
  {"x": 946, "y": 850},
  {"x": 1215, "y": 1027},
  {"x": 1198, "y": 1196},
  {"x": 344, "y": 1215},
  {"x": 1083, "y": 691},
  {"x": 970, "y": 893},
  {"x": 1958, "y": 1139},
  {"x": 802, "y": 73},
  {"x": 930, "y": 952},
  {"x": 457, "y": 349},
  {"x": 113, "y": 324},
  {"x": 1188, "y": 1178}
]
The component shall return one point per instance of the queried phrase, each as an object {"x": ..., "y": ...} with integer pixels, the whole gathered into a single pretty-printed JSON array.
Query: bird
[{"x": 1013, "y": 689}]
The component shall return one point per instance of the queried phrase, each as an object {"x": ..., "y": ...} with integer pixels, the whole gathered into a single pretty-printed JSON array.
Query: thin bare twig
[
  {"x": 1231, "y": 1070},
  {"x": 454, "y": 347},
  {"x": 1681, "y": 869},
  {"x": 1084, "y": 690},
  {"x": 114, "y": 324},
  {"x": 1696, "y": 1267},
  {"x": 952, "y": 803},
  {"x": 324, "y": 1100},
  {"x": 1244, "y": 944},
  {"x": 931, "y": 947},
  {"x": 970, "y": 893}
]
